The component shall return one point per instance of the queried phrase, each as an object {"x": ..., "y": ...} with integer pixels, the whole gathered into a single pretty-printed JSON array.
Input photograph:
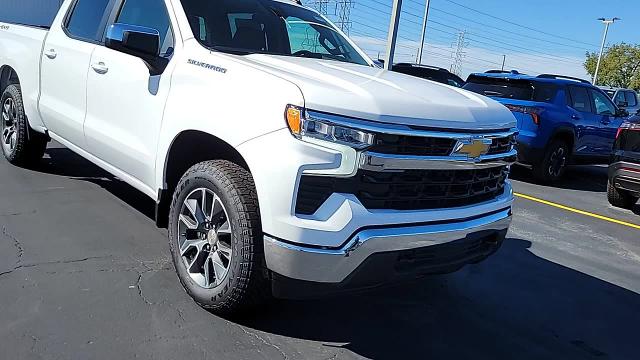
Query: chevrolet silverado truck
[{"x": 282, "y": 161}]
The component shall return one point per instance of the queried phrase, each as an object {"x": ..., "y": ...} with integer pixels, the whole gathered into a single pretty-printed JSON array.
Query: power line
[{"x": 516, "y": 24}]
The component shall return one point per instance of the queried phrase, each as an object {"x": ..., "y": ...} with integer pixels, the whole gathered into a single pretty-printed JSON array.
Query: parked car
[
  {"x": 281, "y": 159},
  {"x": 561, "y": 120},
  {"x": 624, "y": 98},
  {"x": 433, "y": 73},
  {"x": 623, "y": 188}
]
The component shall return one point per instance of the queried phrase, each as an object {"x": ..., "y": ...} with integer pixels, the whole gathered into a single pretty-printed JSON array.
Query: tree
[{"x": 620, "y": 66}]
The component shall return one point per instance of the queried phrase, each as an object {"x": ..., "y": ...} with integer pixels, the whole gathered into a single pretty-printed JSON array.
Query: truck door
[
  {"x": 586, "y": 125},
  {"x": 124, "y": 102},
  {"x": 65, "y": 60},
  {"x": 608, "y": 122}
]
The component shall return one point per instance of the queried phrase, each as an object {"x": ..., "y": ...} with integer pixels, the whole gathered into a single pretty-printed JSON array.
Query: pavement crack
[
  {"x": 16, "y": 244},
  {"x": 264, "y": 341},
  {"x": 20, "y": 265},
  {"x": 140, "y": 293}
]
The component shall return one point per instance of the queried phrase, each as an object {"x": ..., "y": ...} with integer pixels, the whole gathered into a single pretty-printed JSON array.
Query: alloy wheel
[
  {"x": 205, "y": 237},
  {"x": 8, "y": 125},
  {"x": 557, "y": 162}
]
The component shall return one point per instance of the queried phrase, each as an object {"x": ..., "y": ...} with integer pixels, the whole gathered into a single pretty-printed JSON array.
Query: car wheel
[
  {"x": 554, "y": 163},
  {"x": 19, "y": 145},
  {"x": 215, "y": 238},
  {"x": 619, "y": 198}
]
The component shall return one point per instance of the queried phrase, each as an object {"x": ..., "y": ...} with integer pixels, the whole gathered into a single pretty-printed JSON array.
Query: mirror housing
[
  {"x": 622, "y": 104},
  {"x": 141, "y": 42},
  {"x": 622, "y": 113}
]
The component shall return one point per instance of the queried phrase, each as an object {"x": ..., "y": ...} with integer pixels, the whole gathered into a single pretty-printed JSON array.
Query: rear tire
[
  {"x": 20, "y": 144},
  {"x": 215, "y": 237},
  {"x": 554, "y": 163},
  {"x": 620, "y": 198}
]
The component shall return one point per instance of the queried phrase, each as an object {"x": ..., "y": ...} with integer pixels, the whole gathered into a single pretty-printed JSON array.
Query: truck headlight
[{"x": 302, "y": 126}]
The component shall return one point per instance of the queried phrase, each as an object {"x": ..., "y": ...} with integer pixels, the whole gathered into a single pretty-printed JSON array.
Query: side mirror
[
  {"x": 622, "y": 113},
  {"x": 138, "y": 41},
  {"x": 622, "y": 104}
]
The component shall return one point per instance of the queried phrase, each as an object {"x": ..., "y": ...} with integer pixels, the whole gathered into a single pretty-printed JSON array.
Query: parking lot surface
[{"x": 85, "y": 274}]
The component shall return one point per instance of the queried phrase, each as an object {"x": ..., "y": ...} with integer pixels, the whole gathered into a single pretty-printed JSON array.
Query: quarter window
[
  {"x": 151, "y": 14},
  {"x": 87, "y": 19}
]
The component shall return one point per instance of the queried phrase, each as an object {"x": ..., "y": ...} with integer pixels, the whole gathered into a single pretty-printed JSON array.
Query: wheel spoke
[
  {"x": 5, "y": 117},
  {"x": 188, "y": 222},
  {"x": 196, "y": 211},
  {"x": 197, "y": 262},
  {"x": 224, "y": 229},
  {"x": 12, "y": 143},
  {"x": 208, "y": 265},
  {"x": 225, "y": 250},
  {"x": 218, "y": 267},
  {"x": 190, "y": 244}
]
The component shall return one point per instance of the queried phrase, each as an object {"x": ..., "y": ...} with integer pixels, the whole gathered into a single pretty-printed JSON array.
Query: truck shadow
[
  {"x": 515, "y": 305},
  {"x": 64, "y": 162}
]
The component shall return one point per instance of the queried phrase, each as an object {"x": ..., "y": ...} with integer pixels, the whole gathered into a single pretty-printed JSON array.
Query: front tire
[
  {"x": 554, "y": 163},
  {"x": 619, "y": 198},
  {"x": 20, "y": 144},
  {"x": 215, "y": 237}
]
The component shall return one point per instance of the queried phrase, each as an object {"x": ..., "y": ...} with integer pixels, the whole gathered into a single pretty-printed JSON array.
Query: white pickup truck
[{"x": 283, "y": 162}]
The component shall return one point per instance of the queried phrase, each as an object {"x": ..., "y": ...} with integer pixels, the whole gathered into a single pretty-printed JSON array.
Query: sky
[{"x": 544, "y": 36}]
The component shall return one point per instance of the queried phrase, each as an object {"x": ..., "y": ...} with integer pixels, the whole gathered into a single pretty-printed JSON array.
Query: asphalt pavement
[{"x": 85, "y": 274}]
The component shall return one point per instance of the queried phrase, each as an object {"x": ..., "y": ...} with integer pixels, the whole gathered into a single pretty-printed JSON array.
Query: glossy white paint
[{"x": 125, "y": 120}]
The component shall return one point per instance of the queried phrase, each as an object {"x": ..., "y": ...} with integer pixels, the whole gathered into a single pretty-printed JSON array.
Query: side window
[
  {"x": 580, "y": 99},
  {"x": 620, "y": 98},
  {"x": 601, "y": 104},
  {"x": 632, "y": 99},
  {"x": 152, "y": 14},
  {"x": 87, "y": 18}
]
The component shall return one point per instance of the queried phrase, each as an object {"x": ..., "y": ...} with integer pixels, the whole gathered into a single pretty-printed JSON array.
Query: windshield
[{"x": 267, "y": 27}]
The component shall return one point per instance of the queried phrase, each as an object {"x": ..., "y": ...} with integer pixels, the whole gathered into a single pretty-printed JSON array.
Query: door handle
[
  {"x": 575, "y": 117},
  {"x": 100, "y": 68},
  {"x": 51, "y": 54},
  {"x": 606, "y": 122}
]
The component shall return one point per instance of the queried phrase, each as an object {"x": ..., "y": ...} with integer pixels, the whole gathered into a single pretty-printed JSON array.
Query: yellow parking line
[{"x": 563, "y": 207}]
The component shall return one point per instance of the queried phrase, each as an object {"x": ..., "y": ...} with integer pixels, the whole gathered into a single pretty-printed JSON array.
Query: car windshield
[{"x": 267, "y": 27}]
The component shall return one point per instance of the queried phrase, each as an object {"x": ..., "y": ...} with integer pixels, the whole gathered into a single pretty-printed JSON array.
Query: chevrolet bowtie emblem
[{"x": 473, "y": 148}]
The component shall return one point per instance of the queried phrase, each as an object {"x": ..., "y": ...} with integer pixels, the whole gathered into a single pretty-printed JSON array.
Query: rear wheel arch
[
  {"x": 567, "y": 136},
  {"x": 8, "y": 76},
  {"x": 188, "y": 148}
]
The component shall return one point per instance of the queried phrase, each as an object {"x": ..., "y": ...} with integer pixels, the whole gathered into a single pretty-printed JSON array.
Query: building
[{"x": 29, "y": 12}]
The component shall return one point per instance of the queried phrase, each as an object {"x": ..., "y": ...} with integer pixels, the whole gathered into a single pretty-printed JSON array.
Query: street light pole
[
  {"x": 606, "y": 23},
  {"x": 424, "y": 29},
  {"x": 393, "y": 33}
]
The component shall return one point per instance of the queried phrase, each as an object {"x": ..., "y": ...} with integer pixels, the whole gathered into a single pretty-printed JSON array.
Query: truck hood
[{"x": 379, "y": 95}]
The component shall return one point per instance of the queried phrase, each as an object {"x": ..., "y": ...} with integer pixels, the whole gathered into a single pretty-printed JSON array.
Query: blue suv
[{"x": 561, "y": 120}]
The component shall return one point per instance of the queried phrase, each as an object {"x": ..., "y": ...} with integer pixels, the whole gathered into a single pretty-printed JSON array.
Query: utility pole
[
  {"x": 393, "y": 33},
  {"x": 424, "y": 29},
  {"x": 504, "y": 58},
  {"x": 606, "y": 23}
]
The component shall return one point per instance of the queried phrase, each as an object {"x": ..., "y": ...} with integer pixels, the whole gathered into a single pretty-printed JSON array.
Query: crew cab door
[
  {"x": 125, "y": 103},
  {"x": 585, "y": 123},
  {"x": 608, "y": 121},
  {"x": 65, "y": 60}
]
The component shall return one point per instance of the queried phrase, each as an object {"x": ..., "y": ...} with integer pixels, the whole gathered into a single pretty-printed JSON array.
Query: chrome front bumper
[{"x": 334, "y": 265}]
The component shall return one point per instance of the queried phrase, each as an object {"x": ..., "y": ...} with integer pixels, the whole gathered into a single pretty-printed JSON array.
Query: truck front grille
[
  {"x": 405, "y": 190},
  {"x": 429, "y": 146}
]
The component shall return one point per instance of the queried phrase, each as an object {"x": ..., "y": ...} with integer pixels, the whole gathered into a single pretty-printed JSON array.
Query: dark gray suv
[{"x": 623, "y": 188}]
